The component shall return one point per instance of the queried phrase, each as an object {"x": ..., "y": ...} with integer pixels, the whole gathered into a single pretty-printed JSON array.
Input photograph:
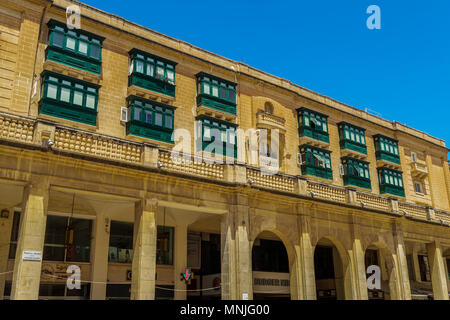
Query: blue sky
[{"x": 401, "y": 71}]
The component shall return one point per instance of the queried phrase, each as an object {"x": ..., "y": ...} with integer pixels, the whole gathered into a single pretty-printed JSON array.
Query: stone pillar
[
  {"x": 302, "y": 186},
  {"x": 401, "y": 266},
  {"x": 237, "y": 277},
  {"x": 438, "y": 275},
  {"x": 27, "y": 274},
  {"x": 433, "y": 195},
  {"x": 244, "y": 276},
  {"x": 446, "y": 166},
  {"x": 144, "y": 254},
  {"x": 150, "y": 156},
  {"x": 358, "y": 268},
  {"x": 393, "y": 205},
  {"x": 236, "y": 173},
  {"x": 5, "y": 237},
  {"x": 351, "y": 196},
  {"x": 304, "y": 264},
  {"x": 357, "y": 264},
  {"x": 415, "y": 259},
  {"x": 99, "y": 254},
  {"x": 431, "y": 215},
  {"x": 180, "y": 260}
]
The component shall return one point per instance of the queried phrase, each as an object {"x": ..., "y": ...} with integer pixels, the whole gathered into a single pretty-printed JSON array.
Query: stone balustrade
[
  {"x": 442, "y": 216},
  {"x": 97, "y": 145},
  {"x": 271, "y": 181},
  {"x": 16, "y": 128},
  {"x": 326, "y": 191},
  {"x": 413, "y": 210},
  {"x": 369, "y": 200},
  {"x": 71, "y": 140},
  {"x": 190, "y": 165}
]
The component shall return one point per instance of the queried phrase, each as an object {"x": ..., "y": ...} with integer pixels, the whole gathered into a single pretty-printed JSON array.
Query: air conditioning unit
[
  {"x": 341, "y": 169},
  {"x": 124, "y": 114}
]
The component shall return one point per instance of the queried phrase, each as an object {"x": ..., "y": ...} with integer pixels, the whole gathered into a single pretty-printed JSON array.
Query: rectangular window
[
  {"x": 90, "y": 101},
  {"x": 58, "y": 39},
  {"x": 67, "y": 239},
  {"x": 418, "y": 186},
  {"x": 158, "y": 119},
  {"x": 409, "y": 261},
  {"x": 83, "y": 47},
  {"x": 70, "y": 43},
  {"x": 14, "y": 235},
  {"x": 120, "y": 242},
  {"x": 316, "y": 157},
  {"x": 139, "y": 66},
  {"x": 218, "y": 133},
  {"x": 76, "y": 48},
  {"x": 391, "y": 181},
  {"x": 65, "y": 95},
  {"x": 148, "y": 117},
  {"x": 164, "y": 245},
  {"x": 387, "y": 146},
  {"x": 95, "y": 51},
  {"x": 169, "y": 124},
  {"x": 218, "y": 88},
  {"x": 52, "y": 91},
  {"x": 78, "y": 98},
  {"x": 424, "y": 268},
  {"x": 153, "y": 66},
  {"x": 215, "y": 91},
  {"x": 151, "y": 119},
  {"x": 48, "y": 291},
  {"x": 137, "y": 113},
  {"x": 352, "y": 133},
  {"x": 69, "y": 91},
  {"x": 313, "y": 124},
  {"x": 206, "y": 88}
]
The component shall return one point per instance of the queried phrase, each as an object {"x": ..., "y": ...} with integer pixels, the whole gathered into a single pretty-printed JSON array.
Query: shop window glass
[
  {"x": 164, "y": 245},
  {"x": 121, "y": 242}
]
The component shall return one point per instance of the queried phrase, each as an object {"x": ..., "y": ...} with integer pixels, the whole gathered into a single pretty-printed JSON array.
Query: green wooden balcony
[
  {"x": 145, "y": 130},
  {"x": 73, "y": 59},
  {"x": 354, "y": 146},
  {"x": 357, "y": 181},
  {"x": 317, "y": 171},
  {"x": 68, "y": 111},
  {"x": 314, "y": 134},
  {"x": 385, "y": 156},
  {"x": 151, "y": 83},
  {"x": 394, "y": 190},
  {"x": 216, "y": 103}
]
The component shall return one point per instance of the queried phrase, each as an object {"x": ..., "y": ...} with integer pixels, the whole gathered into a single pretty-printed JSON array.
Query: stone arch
[
  {"x": 390, "y": 266},
  {"x": 259, "y": 103},
  {"x": 343, "y": 268},
  {"x": 291, "y": 253}
]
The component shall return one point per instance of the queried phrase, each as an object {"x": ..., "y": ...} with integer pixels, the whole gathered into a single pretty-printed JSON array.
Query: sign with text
[
  {"x": 270, "y": 282},
  {"x": 31, "y": 255}
]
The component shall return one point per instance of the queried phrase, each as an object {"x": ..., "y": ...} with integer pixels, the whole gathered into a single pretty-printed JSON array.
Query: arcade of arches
[{"x": 256, "y": 245}]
